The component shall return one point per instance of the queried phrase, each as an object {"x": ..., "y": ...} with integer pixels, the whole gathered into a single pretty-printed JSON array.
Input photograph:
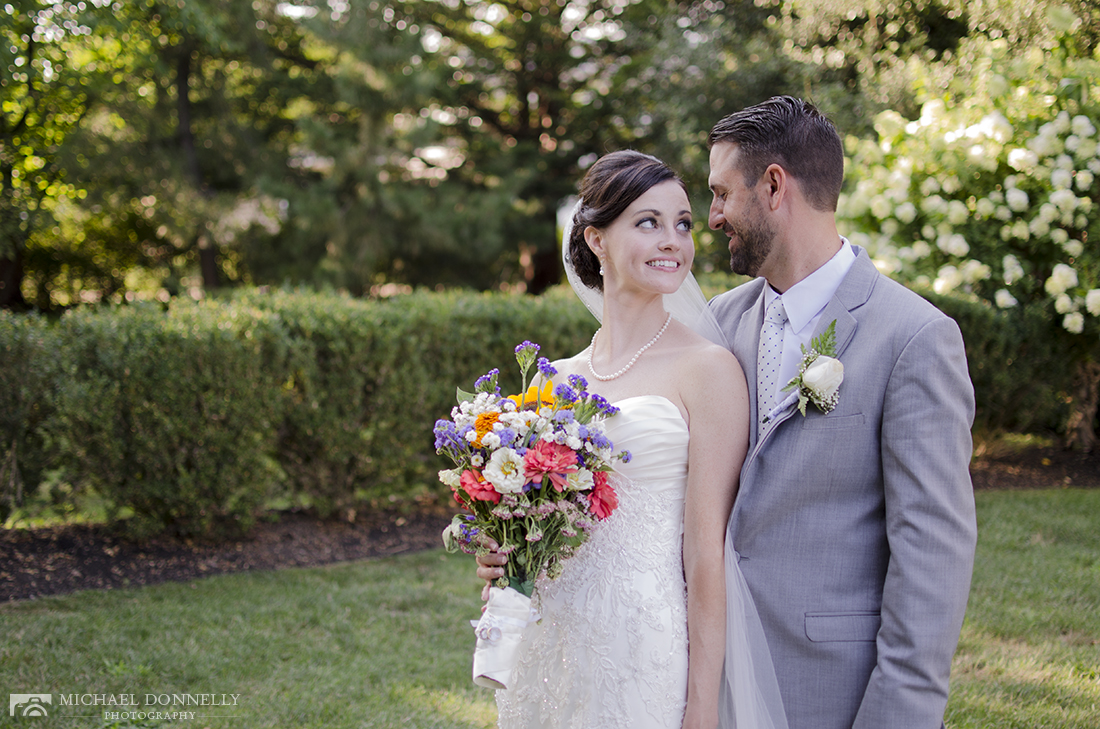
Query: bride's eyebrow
[{"x": 653, "y": 211}]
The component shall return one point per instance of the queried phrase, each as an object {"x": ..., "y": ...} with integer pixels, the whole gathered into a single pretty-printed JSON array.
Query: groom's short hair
[{"x": 792, "y": 133}]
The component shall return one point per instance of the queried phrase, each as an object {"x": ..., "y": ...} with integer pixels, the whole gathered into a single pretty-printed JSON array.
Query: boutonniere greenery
[{"x": 819, "y": 373}]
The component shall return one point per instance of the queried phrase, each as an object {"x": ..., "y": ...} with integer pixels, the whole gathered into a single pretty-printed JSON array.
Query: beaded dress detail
[{"x": 611, "y": 649}]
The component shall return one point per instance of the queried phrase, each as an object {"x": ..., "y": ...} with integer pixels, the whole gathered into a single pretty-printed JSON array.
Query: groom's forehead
[{"x": 724, "y": 157}]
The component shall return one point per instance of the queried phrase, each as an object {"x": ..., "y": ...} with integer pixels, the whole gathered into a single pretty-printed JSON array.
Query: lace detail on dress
[{"x": 611, "y": 649}]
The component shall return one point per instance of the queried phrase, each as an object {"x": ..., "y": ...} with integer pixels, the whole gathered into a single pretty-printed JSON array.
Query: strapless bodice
[{"x": 652, "y": 429}]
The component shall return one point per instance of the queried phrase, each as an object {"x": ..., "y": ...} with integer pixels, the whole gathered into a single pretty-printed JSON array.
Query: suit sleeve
[{"x": 931, "y": 529}]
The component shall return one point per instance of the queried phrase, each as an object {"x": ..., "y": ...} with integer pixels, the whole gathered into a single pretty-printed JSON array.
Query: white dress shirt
[{"x": 804, "y": 302}]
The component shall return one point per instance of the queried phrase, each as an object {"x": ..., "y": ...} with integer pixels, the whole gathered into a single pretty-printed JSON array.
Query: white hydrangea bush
[{"x": 993, "y": 191}]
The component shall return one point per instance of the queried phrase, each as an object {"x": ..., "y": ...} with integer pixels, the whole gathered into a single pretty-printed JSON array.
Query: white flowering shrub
[{"x": 994, "y": 190}]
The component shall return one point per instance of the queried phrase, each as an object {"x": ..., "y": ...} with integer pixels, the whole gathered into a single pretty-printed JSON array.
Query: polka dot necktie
[{"x": 769, "y": 356}]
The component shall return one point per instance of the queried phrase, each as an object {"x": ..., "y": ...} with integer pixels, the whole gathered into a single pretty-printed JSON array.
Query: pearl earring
[{"x": 601, "y": 267}]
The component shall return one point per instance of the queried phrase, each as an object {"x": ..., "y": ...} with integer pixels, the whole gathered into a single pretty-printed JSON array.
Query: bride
[{"x": 650, "y": 623}]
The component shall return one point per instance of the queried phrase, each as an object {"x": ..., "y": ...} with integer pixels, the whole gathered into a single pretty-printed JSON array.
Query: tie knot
[{"x": 776, "y": 314}]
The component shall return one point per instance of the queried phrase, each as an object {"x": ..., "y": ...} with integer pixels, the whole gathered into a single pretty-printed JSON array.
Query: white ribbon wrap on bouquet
[{"x": 498, "y": 636}]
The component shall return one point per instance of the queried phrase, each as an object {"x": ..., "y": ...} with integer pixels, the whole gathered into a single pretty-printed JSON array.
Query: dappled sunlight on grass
[
  {"x": 1029, "y": 654},
  {"x": 460, "y": 708}
]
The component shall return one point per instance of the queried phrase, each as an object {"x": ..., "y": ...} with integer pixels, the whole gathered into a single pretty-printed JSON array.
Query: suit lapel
[{"x": 853, "y": 292}]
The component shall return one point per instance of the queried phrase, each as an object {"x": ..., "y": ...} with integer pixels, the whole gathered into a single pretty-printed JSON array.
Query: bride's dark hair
[{"x": 610, "y": 186}]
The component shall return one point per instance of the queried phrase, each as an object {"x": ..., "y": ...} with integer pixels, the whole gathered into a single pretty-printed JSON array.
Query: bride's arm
[{"x": 716, "y": 398}]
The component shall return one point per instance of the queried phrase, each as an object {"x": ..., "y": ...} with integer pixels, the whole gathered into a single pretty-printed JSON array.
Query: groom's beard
[{"x": 755, "y": 241}]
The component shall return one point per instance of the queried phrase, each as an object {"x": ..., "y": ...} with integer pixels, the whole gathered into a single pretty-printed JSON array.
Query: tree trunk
[
  {"x": 546, "y": 271},
  {"x": 11, "y": 283},
  {"x": 1079, "y": 431},
  {"x": 208, "y": 250}
]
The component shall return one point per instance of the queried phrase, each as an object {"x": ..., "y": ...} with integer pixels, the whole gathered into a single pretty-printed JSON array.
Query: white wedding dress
[{"x": 611, "y": 649}]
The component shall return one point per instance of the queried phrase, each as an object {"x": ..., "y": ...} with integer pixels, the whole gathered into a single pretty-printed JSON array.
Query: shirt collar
[{"x": 807, "y": 298}]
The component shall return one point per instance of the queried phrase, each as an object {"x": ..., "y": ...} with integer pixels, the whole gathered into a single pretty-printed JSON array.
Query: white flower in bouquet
[
  {"x": 1074, "y": 322},
  {"x": 580, "y": 480},
  {"x": 1063, "y": 304},
  {"x": 1073, "y": 247},
  {"x": 505, "y": 469}
]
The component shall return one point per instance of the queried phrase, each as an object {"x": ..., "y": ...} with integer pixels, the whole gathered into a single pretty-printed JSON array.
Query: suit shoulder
[
  {"x": 910, "y": 308},
  {"x": 738, "y": 298}
]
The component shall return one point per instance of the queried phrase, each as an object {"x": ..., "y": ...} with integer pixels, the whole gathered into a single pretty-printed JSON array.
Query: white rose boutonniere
[{"x": 819, "y": 373}]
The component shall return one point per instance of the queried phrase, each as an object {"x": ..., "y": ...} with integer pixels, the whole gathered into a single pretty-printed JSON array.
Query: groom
[{"x": 855, "y": 528}]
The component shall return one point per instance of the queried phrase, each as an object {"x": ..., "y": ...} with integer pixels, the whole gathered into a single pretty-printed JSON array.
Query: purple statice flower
[
  {"x": 625, "y": 455},
  {"x": 603, "y": 406},
  {"x": 447, "y": 437},
  {"x": 599, "y": 440},
  {"x": 488, "y": 382},
  {"x": 507, "y": 436},
  {"x": 525, "y": 355},
  {"x": 578, "y": 383},
  {"x": 546, "y": 368},
  {"x": 565, "y": 393},
  {"x": 563, "y": 416}
]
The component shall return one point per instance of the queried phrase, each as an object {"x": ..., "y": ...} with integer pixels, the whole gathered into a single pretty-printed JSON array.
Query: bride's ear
[{"x": 594, "y": 239}]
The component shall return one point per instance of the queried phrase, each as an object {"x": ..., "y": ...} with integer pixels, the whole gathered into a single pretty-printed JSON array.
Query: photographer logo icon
[{"x": 29, "y": 704}]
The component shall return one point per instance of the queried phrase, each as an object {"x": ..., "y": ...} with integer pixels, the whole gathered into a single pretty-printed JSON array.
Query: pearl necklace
[{"x": 620, "y": 373}]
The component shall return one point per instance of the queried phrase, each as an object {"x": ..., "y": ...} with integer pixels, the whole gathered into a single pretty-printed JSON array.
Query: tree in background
[
  {"x": 992, "y": 190},
  {"x": 495, "y": 110},
  {"x": 46, "y": 97}
]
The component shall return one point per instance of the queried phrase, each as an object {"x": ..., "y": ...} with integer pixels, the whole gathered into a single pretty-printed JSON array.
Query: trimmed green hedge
[{"x": 195, "y": 417}]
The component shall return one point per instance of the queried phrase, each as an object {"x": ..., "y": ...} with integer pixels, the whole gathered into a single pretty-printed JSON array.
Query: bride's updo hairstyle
[{"x": 614, "y": 182}]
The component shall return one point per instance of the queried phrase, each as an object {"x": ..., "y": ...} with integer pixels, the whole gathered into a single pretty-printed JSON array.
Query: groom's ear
[{"x": 776, "y": 185}]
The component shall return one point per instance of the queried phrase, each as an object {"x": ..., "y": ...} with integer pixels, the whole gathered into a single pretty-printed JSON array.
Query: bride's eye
[
  {"x": 647, "y": 223},
  {"x": 686, "y": 225}
]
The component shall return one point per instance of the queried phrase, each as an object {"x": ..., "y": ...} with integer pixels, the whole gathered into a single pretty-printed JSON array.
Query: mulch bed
[{"x": 59, "y": 560}]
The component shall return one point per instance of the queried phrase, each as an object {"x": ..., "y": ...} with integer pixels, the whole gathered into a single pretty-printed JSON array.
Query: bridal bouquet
[{"x": 531, "y": 471}]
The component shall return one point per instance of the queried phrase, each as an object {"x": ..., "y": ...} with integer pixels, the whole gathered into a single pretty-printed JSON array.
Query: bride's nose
[{"x": 670, "y": 240}]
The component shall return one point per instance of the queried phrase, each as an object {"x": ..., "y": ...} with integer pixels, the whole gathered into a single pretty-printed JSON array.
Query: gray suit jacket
[{"x": 856, "y": 529}]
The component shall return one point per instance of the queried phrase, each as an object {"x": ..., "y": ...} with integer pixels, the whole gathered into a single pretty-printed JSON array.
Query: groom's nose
[{"x": 715, "y": 218}]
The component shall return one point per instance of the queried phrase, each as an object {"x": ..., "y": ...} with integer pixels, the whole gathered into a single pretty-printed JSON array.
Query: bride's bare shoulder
[
  {"x": 570, "y": 365},
  {"x": 703, "y": 361}
]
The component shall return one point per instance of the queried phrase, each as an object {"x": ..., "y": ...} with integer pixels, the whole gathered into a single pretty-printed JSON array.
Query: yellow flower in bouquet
[{"x": 535, "y": 396}]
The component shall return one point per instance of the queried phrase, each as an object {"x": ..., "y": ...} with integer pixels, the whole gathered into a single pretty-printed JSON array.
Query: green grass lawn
[{"x": 386, "y": 643}]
